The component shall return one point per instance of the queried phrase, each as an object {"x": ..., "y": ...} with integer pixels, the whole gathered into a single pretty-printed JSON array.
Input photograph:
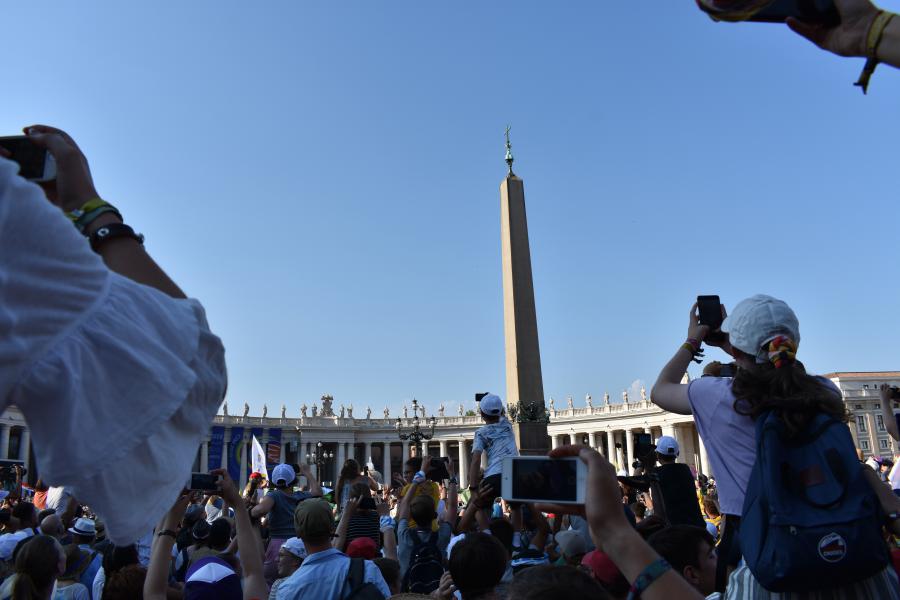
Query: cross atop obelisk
[{"x": 524, "y": 383}]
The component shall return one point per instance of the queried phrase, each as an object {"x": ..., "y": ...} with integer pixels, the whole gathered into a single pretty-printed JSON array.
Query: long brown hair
[
  {"x": 37, "y": 566},
  {"x": 789, "y": 391},
  {"x": 349, "y": 473}
]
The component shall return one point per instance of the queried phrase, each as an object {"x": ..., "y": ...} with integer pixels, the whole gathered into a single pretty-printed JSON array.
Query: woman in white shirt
[{"x": 104, "y": 355}]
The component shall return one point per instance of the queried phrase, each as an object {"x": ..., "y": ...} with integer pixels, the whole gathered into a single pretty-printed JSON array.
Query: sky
[{"x": 325, "y": 177}]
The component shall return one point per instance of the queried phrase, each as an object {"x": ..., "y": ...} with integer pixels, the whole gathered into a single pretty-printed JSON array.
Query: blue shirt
[
  {"x": 499, "y": 441},
  {"x": 87, "y": 577},
  {"x": 323, "y": 576}
]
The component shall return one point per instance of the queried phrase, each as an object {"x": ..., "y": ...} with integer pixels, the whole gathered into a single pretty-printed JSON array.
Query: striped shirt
[
  {"x": 364, "y": 524},
  {"x": 881, "y": 586}
]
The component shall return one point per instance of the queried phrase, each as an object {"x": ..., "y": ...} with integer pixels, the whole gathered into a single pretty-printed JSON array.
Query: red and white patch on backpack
[{"x": 832, "y": 548}]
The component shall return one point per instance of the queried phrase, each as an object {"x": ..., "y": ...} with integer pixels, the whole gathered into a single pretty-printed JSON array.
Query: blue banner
[
  {"x": 257, "y": 433},
  {"x": 216, "y": 444},
  {"x": 234, "y": 454},
  {"x": 273, "y": 449}
]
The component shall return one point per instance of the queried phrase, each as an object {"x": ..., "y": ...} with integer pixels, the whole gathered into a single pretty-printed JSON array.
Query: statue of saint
[
  {"x": 569, "y": 403},
  {"x": 225, "y": 408},
  {"x": 303, "y": 410},
  {"x": 369, "y": 413},
  {"x": 606, "y": 398},
  {"x": 342, "y": 411},
  {"x": 350, "y": 412},
  {"x": 246, "y": 409},
  {"x": 460, "y": 409},
  {"x": 643, "y": 394},
  {"x": 265, "y": 410},
  {"x": 405, "y": 412},
  {"x": 327, "y": 411},
  {"x": 387, "y": 413},
  {"x": 283, "y": 411},
  {"x": 552, "y": 408},
  {"x": 624, "y": 396},
  {"x": 315, "y": 410},
  {"x": 441, "y": 410},
  {"x": 588, "y": 402}
]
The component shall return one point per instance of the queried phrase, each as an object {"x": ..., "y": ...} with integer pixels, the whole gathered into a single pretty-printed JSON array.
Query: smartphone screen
[
  {"x": 204, "y": 482},
  {"x": 30, "y": 158},
  {"x": 819, "y": 12},
  {"x": 550, "y": 479},
  {"x": 709, "y": 308}
]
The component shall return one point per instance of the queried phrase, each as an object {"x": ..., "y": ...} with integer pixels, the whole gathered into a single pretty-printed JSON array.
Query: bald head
[{"x": 52, "y": 525}]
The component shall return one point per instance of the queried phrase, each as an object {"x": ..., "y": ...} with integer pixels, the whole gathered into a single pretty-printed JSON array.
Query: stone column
[
  {"x": 4, "y": 441},
  {"x": 592, "y": 440},
  {"x": 204, "y": 456},
  {"x": 386, "y": 467},
  {"x": 443, "y": 445},
  {"x": 873, "y": 435},
  {"x": 368, "y": 453},
  {"x": 620, "y": 455},
  {"x": 405, "y": 454},
  {"x": 281, "y": 449},
  {"x": 310, "y": 449},
  {"x": 24, "y": 447},
  {"x": 340, "y": 457},
  {"x": 225, "y": 449},
  {"x": 669, "y": 430},
  {"x": 610, "y": 447},
  {"x": 704, "y": 459},
  {"x": 554, "y": 442},
  {"x": 629, "y": 444},
  {"x": 463, "y": 467}
]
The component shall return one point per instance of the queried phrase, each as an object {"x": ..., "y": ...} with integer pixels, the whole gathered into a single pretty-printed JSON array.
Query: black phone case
[{"x": 820, "y": 12}]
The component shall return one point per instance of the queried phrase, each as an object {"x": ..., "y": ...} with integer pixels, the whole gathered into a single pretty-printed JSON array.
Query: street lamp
[
  {"x": 319, "y": 456},
  {"x": 416, "y": 435}
]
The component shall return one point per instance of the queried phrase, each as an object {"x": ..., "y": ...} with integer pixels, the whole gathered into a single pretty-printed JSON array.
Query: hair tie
[{"x": 781, "y": 350}]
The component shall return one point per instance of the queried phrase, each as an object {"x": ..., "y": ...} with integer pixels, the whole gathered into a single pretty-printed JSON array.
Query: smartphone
[
  {"x": 35, "y": 164},
  {"x": 709, "y": 309},
  {"x": 543, "y": 479},
  {"x": 203, "y": 482},
  {"x": 818, "y": 12},
  {"x": 643, "y": 445},
  {"x": 479, "y": 396}
]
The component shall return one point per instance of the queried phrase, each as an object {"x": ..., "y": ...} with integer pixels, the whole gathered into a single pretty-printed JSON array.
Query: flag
[{"x": 258, "y": 459}]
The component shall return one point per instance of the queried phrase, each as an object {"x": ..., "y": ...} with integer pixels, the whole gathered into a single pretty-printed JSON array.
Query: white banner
[{"x": 258, "y": 459}]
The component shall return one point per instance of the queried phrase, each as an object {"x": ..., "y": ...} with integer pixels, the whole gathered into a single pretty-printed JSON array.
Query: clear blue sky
[{"x": 324, "y": 177}]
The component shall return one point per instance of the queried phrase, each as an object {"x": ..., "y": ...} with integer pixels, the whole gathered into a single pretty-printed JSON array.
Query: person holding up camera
[{"x": 676, "y": 485}]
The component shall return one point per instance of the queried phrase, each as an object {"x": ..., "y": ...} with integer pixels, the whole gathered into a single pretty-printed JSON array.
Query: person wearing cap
[
  {"x": 84, "y": 532},
  {"x": 762, "y": 334},
  {"x": 324, "y": 572},
  {"x": 572, "y": 547},
  {"x": 497, "y": 439},
  {"x": 279, "y": 505},
  {"x": 290, "y": 557},
  {"x": 676, "y": 484}
]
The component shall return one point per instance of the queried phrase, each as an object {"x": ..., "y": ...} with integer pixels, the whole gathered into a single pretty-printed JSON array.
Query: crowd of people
[{"x": 95, "y": 336}]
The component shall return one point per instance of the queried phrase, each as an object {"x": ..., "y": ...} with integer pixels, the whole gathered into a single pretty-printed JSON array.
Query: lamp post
[
  {"x": 416, "y": 435},
  {"x": 319, "y": 456}
]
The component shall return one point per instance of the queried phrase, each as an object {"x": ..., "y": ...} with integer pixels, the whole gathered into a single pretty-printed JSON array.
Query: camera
[{"x": 8, "y": 470}]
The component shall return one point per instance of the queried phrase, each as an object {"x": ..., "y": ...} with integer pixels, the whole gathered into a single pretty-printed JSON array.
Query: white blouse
[{"x": 118, "y": 381}]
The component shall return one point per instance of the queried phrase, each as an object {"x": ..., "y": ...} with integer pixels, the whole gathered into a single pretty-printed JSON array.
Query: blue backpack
[{"x": 811, "y": 520}]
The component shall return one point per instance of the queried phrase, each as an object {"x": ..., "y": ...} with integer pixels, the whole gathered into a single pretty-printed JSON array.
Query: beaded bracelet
[{"x": 651, "y": 573}]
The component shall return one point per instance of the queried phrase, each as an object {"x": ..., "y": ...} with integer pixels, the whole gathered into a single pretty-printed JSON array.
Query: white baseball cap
[
  {"x": 667, "y": 446},
  {"x": 491, "y": 405},
  {"x": 296, "y": 547},
  {"x": 757, "y": 320},
  {"x": 283, "y": 473}
]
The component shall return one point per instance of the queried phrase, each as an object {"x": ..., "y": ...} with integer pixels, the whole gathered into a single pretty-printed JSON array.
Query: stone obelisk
[{"x": 524, "y": 383}]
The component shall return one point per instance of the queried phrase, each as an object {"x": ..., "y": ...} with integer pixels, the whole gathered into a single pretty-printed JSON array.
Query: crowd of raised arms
[{"x": 95, "y": 337}]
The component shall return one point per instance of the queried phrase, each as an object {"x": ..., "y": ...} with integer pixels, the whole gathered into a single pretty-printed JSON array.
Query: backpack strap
[{"x": 356, "y": 573}]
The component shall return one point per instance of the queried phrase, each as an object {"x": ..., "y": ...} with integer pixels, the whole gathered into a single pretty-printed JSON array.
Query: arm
[
  {"x": 475, "y": 469},
  {"x": 73, "y": 187},
  {"x": 849, "y": 38},
  {"x": 157, "y": 579},
  {"x": 340, "y": 539},
  {"x": 388, "y": 535},
  {"x": 887, "y": 412},
  {"x": 403, "y": 510},
  {"x": 612, "y": 532},
  {"x": 543, "y": 528},
  {"x": 314, "y": 488},
  {"x": 253, "y": 581},
  {"x": 451, "y": 503},
  {"x": 668, "y": 393},
  {"x": 260, "y": 510}
]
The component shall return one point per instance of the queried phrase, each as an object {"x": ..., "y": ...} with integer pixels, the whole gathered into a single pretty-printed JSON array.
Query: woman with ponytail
[
  {"x": 39, "y": 562},
  {"x": 763, "y": 336}
]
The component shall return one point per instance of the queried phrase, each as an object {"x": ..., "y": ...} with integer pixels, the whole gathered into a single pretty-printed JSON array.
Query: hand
[
  {"x": 484, "y": 496},
  {"x": 695, "y": 329},
  {"x": 848, "y": 38},
  {"x": 227, "y": 489},
  {"x": 73, "y": 185},
  {"x": 603, "y": 500},
  {"x": 445, "y": 588},
  {"x": 383, "y": 509},
  {"x": 886, "y": 393},
  {"x": 350, "y": 508},
  {"x": 450, "y": 469},
  {"x": 419, "y": 478},
  {"x": 176, "y": 513},
  {"x": 305, "y": 470}
]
